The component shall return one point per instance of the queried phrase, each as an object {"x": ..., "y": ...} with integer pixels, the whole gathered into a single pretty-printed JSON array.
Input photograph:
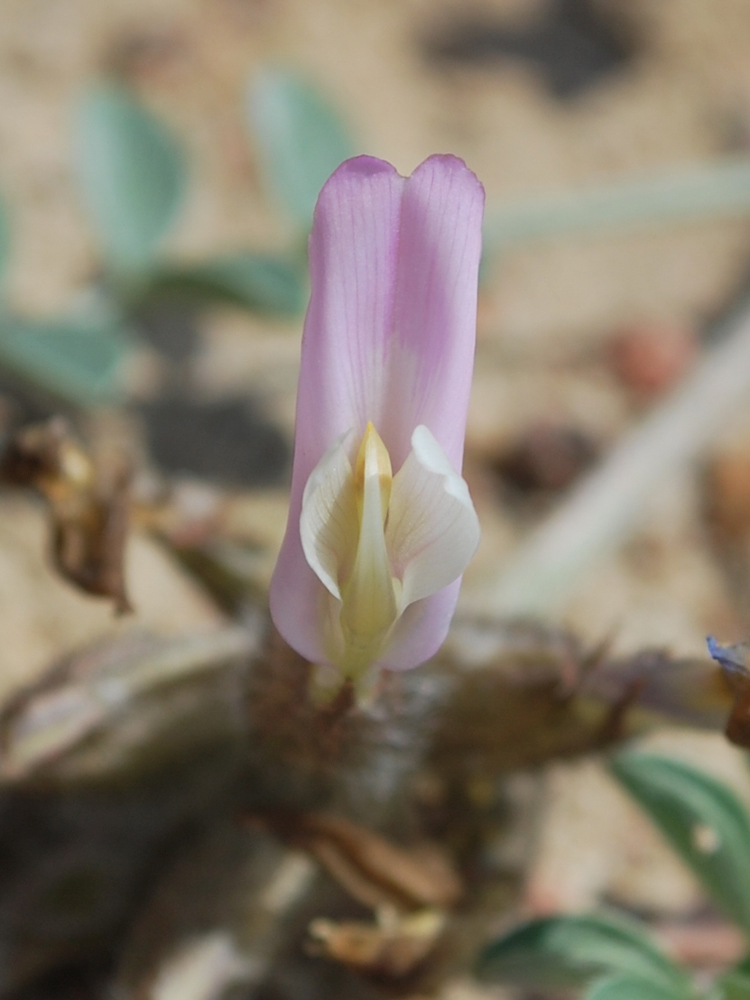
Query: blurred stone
[
  {"x": 651, "y": 357},
  {"x": 547, "y": 458},
  {"x": 728, "y": 493}
]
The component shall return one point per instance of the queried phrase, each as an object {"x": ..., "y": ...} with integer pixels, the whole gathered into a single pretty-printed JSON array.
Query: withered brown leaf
[
  {"x": 88, "y": 506},
  {"x": 373, "y": 870},
  {"x": 387, "y": 948}
]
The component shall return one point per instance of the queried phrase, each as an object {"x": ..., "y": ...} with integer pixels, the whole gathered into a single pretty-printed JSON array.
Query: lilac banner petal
[
  {"x": 421, "y": 630},
  {"x": 353, "y": 258},
  {"x": 435, "y": 330},
  {"x": 434, "y": 323}
]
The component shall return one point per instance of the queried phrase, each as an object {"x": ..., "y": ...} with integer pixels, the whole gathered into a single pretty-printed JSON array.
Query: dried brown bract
[
  {"x": 373, "y": 870},
  {"x": 391, "y": 947},
  {"x": 89, "y": 506}
]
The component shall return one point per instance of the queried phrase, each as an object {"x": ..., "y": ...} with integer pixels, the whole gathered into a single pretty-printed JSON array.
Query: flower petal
[
  {"x": 328, "y": 523},
  {"x": 389, "y": 338},
  {"x": 369, "y": 602},
  {"x": 433, "y": 529},
  {"x": 434, "y": 320},
  {"x": 353, "y": 257},
  {"x": 421, "y": 630}
]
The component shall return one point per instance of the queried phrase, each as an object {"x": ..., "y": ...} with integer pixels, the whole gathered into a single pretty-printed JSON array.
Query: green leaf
[
  {"x": 627, "y": 987},
  {"x": 132, "y": 174},
  {"x": 301, "y": 140},
  {"x": 572, "y": 950},
  {"x": 735, "y": 984},
  {"x": 272, "y": 286},
  {"x": 74, "y": 361},
  {"x": 4, "y": 240},
  {"x": 701, "y": 818}
]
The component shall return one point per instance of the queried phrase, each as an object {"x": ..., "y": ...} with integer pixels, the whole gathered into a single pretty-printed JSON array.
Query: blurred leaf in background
[
  {"x": 76, "y": 358},
  {"x": 4, "y": 240},
  {"x": 570, "y": 951},
  {"x": 701, "y": 818},
  {"x": 74, "y": 361},
  {"x": 132, "y": 173},
  {"x": 301, "y": 139},
  {"x": 735, "y": 984},
  {"x": 263, "y": 283},
  {"x": 627, "y": 987}
]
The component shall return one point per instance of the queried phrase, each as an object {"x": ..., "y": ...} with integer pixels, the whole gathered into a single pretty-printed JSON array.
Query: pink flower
[{"x": 381, "y": 525}]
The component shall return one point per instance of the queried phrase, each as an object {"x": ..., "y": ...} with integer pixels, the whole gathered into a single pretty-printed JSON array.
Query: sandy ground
[{"x": 546, "y": 310}]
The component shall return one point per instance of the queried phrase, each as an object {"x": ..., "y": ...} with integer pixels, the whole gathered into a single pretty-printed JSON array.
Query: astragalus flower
[{"x": 381, "y": 524}]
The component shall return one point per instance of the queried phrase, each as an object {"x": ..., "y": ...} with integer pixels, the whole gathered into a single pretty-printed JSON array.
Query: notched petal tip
[
  {"x": 355, "y": 169},
  {"x": 451, "y": 166}
]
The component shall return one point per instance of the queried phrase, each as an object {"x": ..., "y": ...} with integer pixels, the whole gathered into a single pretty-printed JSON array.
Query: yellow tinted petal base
[{"x": 378, "y": 543}]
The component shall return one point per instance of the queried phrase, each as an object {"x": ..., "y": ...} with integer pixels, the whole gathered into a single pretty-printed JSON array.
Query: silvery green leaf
[
  {"x": 735, "y": 984},
  {"x": 300, "y": 138},
  {"x": 701, "y": 818},
  {"x": 77, "y": 361},
  {"x": 627, "y": 987},
  {"x": 4, "y": 240},
  {"x": 132, "y": 175},
  {"x": 263, "y": 283},
  {"x": 569, "y": 951}
]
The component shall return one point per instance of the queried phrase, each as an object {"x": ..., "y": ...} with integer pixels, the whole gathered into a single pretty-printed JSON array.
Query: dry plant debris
[
  {"x": 88, "y": 506},
  {"x": 391, "y": 947},
  {"x": 374, "y": 871}
]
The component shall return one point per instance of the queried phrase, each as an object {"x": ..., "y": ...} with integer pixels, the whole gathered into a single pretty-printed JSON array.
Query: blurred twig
[
  {"x": 723, "y": 188},
  {"x": 601, "y": 511}
]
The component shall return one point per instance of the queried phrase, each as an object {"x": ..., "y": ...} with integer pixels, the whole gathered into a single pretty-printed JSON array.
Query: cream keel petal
[
  {"x": 369, "y": 607},
  {"x": 433, "y": 530},
  {"x": 328, "y": 522}
]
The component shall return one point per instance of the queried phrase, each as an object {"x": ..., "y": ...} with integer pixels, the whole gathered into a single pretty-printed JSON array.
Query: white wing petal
[
  {"x": 328, "y": 522},
  {"x": 433, "y": 529}
]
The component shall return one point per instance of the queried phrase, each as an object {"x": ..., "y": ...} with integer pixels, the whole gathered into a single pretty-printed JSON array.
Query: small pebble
[
  {"x": 547, "y": 458},
  {"x": 651, "y": 357},
  {"x": 728, "y": 493}
]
